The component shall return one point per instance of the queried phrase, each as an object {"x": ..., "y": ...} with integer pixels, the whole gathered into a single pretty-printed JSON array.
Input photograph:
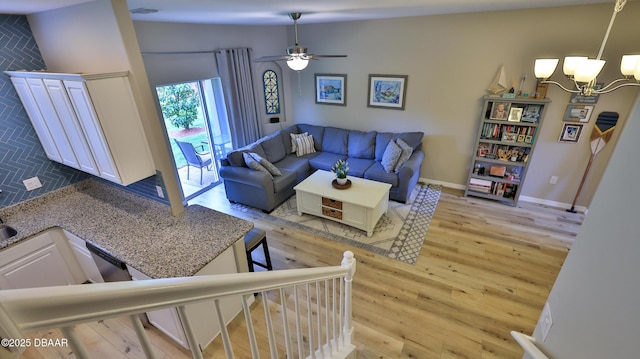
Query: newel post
[{"x": 348, "y": 261}]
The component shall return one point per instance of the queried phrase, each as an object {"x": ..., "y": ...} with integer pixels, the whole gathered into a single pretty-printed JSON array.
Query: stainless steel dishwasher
[{"x": 111, "y": 268}]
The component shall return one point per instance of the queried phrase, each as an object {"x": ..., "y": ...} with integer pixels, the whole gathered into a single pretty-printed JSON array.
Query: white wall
[
  {"x": 594, "y": 301},
  {"x": 98, "y": 37},
  {"x": 451, "y": 61},
  {"x": 165, "y": 69}
]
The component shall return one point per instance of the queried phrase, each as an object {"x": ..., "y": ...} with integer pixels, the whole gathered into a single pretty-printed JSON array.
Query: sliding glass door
[{"x": 198, "y": 131}]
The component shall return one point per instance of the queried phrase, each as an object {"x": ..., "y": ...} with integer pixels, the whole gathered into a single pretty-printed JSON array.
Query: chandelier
[{"x": 583, "y": 71}]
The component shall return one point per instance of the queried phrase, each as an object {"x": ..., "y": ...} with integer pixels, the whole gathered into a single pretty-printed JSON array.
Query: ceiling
[{"x": 274, "y": 12}]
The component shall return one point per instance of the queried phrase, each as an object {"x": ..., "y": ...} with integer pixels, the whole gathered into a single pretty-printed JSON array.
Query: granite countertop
[{"x": 139, "y": 231}]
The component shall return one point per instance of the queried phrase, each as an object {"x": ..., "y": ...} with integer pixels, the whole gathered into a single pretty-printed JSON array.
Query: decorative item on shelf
[
  {"x": 499, "y": 84},
  {"x": 340, "y": 168},
  {"x": 583, "y": 71}
]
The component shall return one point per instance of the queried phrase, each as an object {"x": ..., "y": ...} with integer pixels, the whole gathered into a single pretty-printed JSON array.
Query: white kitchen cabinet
[
  {"x": 92, "y": 121},
  {"x": 67, "y": 115},
  {"x": 34, "y": 262},
  {"x": 202, "y": 316},
  {"x": 38, "y": 121},
  {"x": 85, "y": 260}
]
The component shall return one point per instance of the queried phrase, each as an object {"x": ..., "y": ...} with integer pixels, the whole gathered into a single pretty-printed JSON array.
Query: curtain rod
[
  {"x": 187, "y": 52},
  {"x": 178, "y": 52}
]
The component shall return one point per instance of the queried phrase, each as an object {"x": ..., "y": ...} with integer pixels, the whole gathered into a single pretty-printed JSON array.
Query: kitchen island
[{"x": 139, "y": 231}]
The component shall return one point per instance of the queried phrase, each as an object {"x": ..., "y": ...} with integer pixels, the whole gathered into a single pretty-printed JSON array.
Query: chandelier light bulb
[
  {"x": 571, "y": 63},
  {"x": 544, "y": 68},
  {"x": 588, "y": 70},
  {"x": 628, "y": 64}
]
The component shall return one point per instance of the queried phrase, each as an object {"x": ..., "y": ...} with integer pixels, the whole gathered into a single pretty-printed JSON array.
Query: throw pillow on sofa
[
  {"x": 390, "y": 157},
  {"x": 294, "y": 145},
  {"x": 253, "y": 164},
  {"x": 266, "y": 164},
  {"x": 406, "y": 153},
  {"x": 304, "y": 145}
]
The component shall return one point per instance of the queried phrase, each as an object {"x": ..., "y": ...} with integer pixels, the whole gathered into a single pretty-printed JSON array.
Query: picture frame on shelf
[
  {"x": 528, "y": 139},
  {"x": 387, "y": 91},
  {"x": 500, "y": 111},
  {"x": 578, "y": 113},
  {"x": 515, "y": 114},
  {"x": 531, "y": 113},
  {"x": 509, "y": 137},
  {"x": 570, "y": 133},
  {"x": 521, "y": 138},
  {"x": 331, "y": 89}
]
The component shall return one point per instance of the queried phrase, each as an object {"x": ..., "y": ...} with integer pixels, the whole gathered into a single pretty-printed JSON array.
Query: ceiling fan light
[
  {"x": 588, "y": 70},
  {"x": 544, "y": 68},
  {"x": 571, "y": 63},
  {"x": 628, "y": 64},
  {"x": 297, "y": 63}
]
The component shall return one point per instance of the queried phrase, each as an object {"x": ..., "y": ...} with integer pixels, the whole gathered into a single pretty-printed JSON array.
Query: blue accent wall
[{"x": 21, "y": 154}]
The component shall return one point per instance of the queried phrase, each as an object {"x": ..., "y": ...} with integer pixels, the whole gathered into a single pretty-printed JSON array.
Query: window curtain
[{"x": 234, "y": 68}]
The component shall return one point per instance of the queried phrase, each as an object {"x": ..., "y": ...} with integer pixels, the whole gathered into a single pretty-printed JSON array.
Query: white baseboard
[
  {"x": 541, "y": 201},
  {"x": 443, "y": 184},
  {"x": 556, "y": 204}
]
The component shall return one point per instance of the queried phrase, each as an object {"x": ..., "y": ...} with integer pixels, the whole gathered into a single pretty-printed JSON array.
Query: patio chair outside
[{"x": 194, "y": 158}]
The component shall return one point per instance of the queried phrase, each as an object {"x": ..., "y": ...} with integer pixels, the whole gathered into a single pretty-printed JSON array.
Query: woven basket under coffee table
[{"x": 359, "y": 206}]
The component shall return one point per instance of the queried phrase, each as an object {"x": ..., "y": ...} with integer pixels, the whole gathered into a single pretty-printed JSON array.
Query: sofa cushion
[
  {"x": 406, "y": 153},
  {"x": 358, "y": 166},
  {"x": 382, "y": 140},
  {"x": 325, "y": 160},
  {"x": 362, "y": 144},
  {"x": 316, "y": 131},
  {"x": 253, "y": 164},
  {"x": 236, "y": 158},
  {"x": 298, "y": 164},
  {"x": 377, "y": 173},
  {"x": 287, "y": 180},
  {"x": 335, "y": 140},
  {"x": 390, "y": 157},
  {"x": 286, "y": 137},
  {"x": 273, "y": 148},
  {"x": 413, "y": 139},
  {"x": 266, "y": 164},
  {"x": 304, "y": 145}
]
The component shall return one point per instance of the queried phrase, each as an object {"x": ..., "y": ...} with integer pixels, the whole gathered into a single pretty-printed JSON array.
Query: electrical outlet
[
  {"x": 32, "y": 183},
  {"x": 553, "y": 179},
  {"x": 545, "y": 321},
  {"x": 159, "y": 191}
]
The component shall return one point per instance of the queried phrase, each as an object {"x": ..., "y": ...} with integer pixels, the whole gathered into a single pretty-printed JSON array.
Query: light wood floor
[{"x": 485, "y": 269}]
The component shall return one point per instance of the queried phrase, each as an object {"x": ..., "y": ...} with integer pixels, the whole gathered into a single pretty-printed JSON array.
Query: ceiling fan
[{"x": 297, "y": 57}]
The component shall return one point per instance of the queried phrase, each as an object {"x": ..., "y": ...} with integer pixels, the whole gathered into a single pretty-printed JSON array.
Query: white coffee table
[{"x": 359, "y": 206}]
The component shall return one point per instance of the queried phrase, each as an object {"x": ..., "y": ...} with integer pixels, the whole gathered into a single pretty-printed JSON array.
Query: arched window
[{"x": 271, "y": 98}]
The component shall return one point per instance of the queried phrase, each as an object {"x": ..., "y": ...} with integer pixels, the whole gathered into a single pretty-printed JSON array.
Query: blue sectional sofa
[{"x": 363, "y": 151}]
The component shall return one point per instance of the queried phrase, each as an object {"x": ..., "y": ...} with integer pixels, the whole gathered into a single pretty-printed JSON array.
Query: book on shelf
[{"x": 480, "y": 185}]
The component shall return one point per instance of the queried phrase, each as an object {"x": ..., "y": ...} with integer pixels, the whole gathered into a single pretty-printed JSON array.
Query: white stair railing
[
  {"x": 528, "y": 343},
  {"x": 330, "y": 330}
]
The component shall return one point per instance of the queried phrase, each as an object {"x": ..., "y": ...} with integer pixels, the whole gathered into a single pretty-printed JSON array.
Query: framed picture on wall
[
  {"x": 331, "y": 89},
  {"x": 387, "y": 91},
  {"x": 570, "y": 133},
  {"x": 578, "y": 113}
]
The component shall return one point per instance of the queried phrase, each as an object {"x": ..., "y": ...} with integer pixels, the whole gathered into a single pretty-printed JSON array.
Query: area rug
[{"x": 399, "y": 233}]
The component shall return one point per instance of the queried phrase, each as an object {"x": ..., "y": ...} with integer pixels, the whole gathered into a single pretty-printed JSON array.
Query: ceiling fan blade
[
  {"x": 272, "y": 58},
  {"x": 318, "y": 56}
]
